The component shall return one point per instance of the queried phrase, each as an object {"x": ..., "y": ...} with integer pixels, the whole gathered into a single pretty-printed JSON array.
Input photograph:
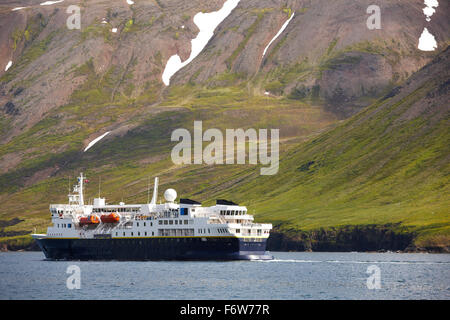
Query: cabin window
[
  {"x": 176, "y": 221},
  {"x": 170, "y": 221},
  {"x": 165, "y": 221},
  {"x": 160, "y": 221},
  {"x": 137, "y": 224},
  {"x": 70, "y": 225},
  {"x": 185, "y": 222},
  {"x": 124, "y": 234},
  {"x": 131, "y": 233},
  {"x": 139, "y": 233},
  {"x": 238, "y": 230},
  {"x": 145, "y": 232},
  {"x": 144, "y": 224}
]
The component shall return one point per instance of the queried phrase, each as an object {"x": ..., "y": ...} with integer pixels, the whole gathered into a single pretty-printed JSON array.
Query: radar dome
[{"x": 170, "y": 195}]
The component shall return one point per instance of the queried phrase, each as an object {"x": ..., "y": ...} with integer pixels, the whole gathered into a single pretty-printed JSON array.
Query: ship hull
[{"x": 155, "y": 248}]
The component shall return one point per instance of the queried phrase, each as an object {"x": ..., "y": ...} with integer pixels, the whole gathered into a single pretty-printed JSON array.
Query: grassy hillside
[{"x": 387, "y": 164}]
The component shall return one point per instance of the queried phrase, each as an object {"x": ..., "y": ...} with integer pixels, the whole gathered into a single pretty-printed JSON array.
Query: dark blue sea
[{"x": 292, "y": 275}]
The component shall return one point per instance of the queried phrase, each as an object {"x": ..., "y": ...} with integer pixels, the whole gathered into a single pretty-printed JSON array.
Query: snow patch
[
  {"x": 427, "y": 41},
  {"x": 18, "y": 8},
  {"x": 130, "y": 2},
  {"x": 114, "y": 30},
  {"x": 95, "y": 141},
  {"x": 279, "y": 32},
  {"x": 48, "y": 3},
  {"x": 8, "y": 65},
  {"x": 429, "y": 10},
  {"x": 206, "y": 23}
]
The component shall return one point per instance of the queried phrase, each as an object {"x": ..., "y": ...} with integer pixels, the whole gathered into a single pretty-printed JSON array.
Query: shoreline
[{"x": 389, "y": 238}]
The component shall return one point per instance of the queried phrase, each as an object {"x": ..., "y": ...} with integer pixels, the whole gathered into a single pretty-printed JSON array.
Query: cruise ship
[{"x": 173, "y": 230}]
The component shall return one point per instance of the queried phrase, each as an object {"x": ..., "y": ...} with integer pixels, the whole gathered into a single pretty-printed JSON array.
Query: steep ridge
[{"x": 389, "y": 164}]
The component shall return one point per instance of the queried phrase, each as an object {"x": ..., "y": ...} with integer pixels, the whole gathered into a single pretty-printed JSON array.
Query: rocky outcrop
[
  {"x": 326, "y": 47},
  {"x": 348, "y": 238}
]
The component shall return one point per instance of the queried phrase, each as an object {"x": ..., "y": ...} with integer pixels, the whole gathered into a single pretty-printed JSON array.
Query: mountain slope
[
  {"x": 67, "y": 87},
  {"x": 387, "y": 164}
]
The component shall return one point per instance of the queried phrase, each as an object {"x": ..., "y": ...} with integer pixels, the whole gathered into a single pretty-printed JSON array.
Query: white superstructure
[{"x": 187, "y": 218}]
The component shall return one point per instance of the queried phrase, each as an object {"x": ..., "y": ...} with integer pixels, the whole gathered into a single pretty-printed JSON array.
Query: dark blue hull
[{"x": 165, "y": 248}]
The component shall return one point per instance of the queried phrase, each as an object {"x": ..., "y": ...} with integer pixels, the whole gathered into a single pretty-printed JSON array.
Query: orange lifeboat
[
  {"x": 93, "y": 219},
  {"x": 110, "y": 218}
]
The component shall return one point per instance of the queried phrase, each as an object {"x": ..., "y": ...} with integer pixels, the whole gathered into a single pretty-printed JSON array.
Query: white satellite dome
[{"x": 170, "y": 195}]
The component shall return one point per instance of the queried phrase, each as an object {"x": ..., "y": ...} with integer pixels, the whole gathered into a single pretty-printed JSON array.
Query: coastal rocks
[{"x": 342, "y": 239}]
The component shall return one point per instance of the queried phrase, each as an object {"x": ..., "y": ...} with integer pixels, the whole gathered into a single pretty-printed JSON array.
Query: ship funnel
[{"x": 155, "y": 191}]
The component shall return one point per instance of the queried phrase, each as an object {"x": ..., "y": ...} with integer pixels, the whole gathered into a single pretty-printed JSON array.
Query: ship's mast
[
  {"x": 77, "y": 196},
  {"x": 80, "y": 183}
]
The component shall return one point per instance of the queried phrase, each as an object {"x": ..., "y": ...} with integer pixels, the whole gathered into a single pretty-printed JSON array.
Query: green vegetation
[
  {"x": 385, "y": 170},
  {"x": 288, "y": 11},
  {"x": 31, "y": 53},
  {"x": 369, "y": 170},
  {"x": 248, "y": 34}
]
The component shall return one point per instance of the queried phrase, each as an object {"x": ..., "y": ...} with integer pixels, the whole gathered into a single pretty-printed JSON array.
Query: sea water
[{"x": 291, "y": 275}]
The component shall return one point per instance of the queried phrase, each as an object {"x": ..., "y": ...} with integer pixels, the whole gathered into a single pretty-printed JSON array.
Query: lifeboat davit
[
  {"x": 92, "y": 219},
  {"x": 110, "y": 218}
]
